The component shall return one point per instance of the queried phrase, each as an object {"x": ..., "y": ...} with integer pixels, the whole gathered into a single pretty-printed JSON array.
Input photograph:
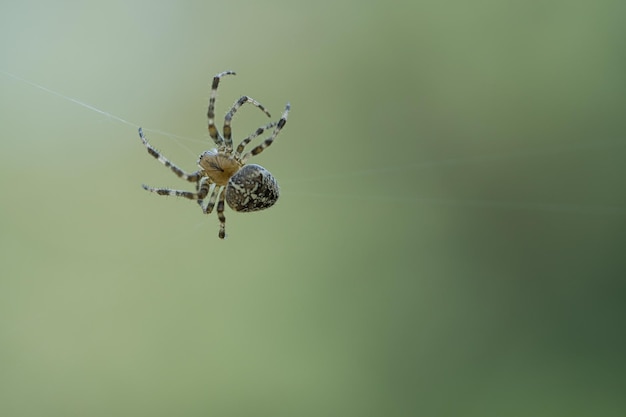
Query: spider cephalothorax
[{"x": 223, "y": 171}]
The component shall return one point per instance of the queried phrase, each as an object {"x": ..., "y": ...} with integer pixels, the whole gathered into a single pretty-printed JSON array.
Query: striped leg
[
  {"x": 227, "y": 130},
  {"x": 167, "y": 191},
  {"x": 267, "y": 142},
  {"x": 247, "y": 140},
  {"x": 211, "y": 112},
  {"x": 203, "y": 187},
  {"x": 182, "y": 174},
  {"x": 211, "y": 204},
  {"x": 221, "y": 217}
]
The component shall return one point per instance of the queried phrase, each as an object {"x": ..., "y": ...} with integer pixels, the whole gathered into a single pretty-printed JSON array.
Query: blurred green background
[{"x": 449, "y": 241}]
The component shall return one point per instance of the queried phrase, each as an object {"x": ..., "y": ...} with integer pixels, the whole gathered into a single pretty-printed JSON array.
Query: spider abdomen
[{"x": 252, "y": 188}]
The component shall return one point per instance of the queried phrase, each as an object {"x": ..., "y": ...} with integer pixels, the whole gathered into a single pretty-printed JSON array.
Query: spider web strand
[{"x": 93, "y": 108}]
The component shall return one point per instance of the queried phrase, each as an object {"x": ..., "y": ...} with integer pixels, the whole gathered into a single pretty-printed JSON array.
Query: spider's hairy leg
[
  {"x": 194, "y": 177},
  {"x": 167, "y": 191},
  {"x": 221, "y": 217},
  {"x": 267, "y": 142},
  {"x": 202, "y": 187},
  {"x": 209, "y": 207},
  {"x": 247, "y": 140},
  {"x": 211, "y": 111},
  {"x": 229, "y": 116}
]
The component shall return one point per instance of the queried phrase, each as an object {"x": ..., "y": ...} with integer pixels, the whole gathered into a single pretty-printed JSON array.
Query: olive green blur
[{"x": 450, "y": 239}]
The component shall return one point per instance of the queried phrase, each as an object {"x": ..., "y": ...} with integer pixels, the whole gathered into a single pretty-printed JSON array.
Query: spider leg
[
  {"x": 211, "y": 204},
  {"x": 267, "y": 142},
  {"x": 194, "y": 177},
  {"x": 215, "y": 135},
  {"x": 167, "y": 191},
  {"x": 227, "y": 130},
  {"x": 247, "y": 140},
  {"x": 221, "y": 217},
  {"x": 202, "y": 187}
]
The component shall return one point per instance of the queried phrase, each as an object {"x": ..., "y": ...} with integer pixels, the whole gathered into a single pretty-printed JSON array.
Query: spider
[{"x": 223, "y": 171}]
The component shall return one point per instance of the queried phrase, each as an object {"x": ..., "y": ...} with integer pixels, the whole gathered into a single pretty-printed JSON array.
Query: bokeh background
[{"x": 450, "y": 239}]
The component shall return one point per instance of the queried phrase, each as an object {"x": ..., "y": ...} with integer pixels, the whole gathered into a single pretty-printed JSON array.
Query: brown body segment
[{"x": 219, "y": 167}]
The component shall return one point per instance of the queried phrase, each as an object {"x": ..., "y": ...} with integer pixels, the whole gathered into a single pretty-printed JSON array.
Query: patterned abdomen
[{"x": 252, "y": 188}]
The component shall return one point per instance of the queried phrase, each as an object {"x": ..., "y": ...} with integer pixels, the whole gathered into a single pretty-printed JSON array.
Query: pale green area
[{"x": 450, "y": 240}]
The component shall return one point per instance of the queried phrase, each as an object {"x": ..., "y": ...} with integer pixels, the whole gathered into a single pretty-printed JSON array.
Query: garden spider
[{"x": 224, "y": 172}]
